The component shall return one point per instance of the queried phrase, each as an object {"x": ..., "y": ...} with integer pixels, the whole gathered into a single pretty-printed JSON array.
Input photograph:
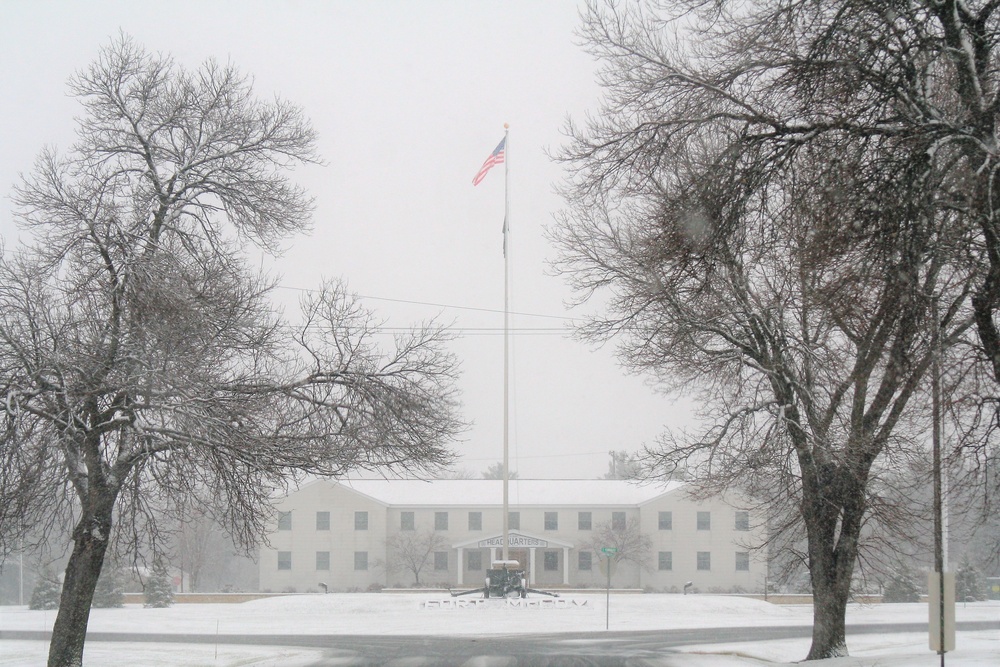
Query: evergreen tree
[
  {"x": 495, "y": 471},
  {"x": 969, "y": 584},
  {"x": 110, "y": 591},
  {"x": 901, "y": 587},
  {"x": 158, "y": 590},
  {"x": 46, "y": 592}
]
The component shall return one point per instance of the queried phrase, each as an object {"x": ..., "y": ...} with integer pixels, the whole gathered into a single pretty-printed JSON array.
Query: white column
[
  {"x": 566, "y": 565},
  {"x": 461, "y": 566},
  {"x": 493, "y": 555},
  {"x": 533, "y": 577}
]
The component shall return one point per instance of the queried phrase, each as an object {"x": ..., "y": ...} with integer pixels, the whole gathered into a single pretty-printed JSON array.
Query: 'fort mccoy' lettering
[{"x": 523, "y": 603}]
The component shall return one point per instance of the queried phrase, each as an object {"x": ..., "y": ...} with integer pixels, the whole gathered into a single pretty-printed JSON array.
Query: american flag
[{"x": 496, "y": 157}]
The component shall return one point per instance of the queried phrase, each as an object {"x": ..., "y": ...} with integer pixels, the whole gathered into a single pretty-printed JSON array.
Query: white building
[{"x": 344, "y": 535}]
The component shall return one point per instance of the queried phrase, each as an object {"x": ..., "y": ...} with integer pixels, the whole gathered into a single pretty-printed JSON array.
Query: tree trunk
[
  {"x": 830, "y": 593},
  {"x": 833, "y": 521},
  {"x": 90, "y": 542}
]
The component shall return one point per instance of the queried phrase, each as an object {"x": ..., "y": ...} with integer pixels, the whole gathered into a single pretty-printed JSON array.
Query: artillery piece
[{"x": 505, "y": 579}]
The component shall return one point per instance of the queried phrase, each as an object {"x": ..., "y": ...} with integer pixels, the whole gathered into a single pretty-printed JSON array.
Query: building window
[
  {"x": 552, "y": 521},
  {"x": 583, "y": 521},
  {"x": 322, "y": 521},
  {"x": 475, "y": 561},
  {"x": 284, "y": 520},
  {"x": 618, "y": 521},
  {"x": 704, "y": 521},
  {"x": 551, "y": 560},
  {"x": 441, "y": 560},
  {"x": 475, "y": 520},
  {"x": 742, "y": 521},
  {"x": 514, "y": 520},
  {"x": 360, "y": 560},
  {"x": 284, "y": 560},
  {"x": 361, "y": 521},
  {"x": 440, "y": 521},
  {"x": 665, "y": 560},
  {"x": 742, "y": 561},
  {"x": 584, "y": 560},
  {"x": 704, "y": 560},
  {"x": 666, "y": 521},
  {"x": 406, "y": 521},
  {"x": 322, "y": 560}
]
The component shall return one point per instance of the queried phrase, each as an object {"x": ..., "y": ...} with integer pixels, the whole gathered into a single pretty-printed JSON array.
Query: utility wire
[{"x": 442, "y": 305}]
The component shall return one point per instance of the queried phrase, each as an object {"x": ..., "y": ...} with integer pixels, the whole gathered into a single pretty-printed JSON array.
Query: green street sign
[{"x": 609, "y": 550}]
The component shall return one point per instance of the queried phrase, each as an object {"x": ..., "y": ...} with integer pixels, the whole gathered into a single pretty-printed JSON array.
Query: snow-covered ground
[{"x": 410, "y": 614}]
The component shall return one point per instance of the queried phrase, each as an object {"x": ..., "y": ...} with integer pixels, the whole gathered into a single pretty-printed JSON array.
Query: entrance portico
[{"x": 518, "y": 543}]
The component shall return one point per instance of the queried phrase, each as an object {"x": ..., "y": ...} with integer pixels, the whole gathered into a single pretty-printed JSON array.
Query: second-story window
[
  {"x": 322, "y": 521},
  {"x": 552, "y": 521},
  {"x": 475, "y": 520},
  {"x": 742, "y": 521},
  {"x": 284, "y": 520},
  {"x": 361, "y": 521},
  {"x": 583, "y": 521},
  {"x": 406, "y": 521},
  {"x": 440, "y": 521},
  {"x": 704, "y": 521},
  {"x": 618, "y": 521}
]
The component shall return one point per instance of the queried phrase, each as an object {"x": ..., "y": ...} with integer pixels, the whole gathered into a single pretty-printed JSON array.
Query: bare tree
[
  {"x": 144, "y": 371},
  {"x": 761, "y": 248},
  {"x": 197, "y": 543},
  {"x": 630, "y": 543},
  {"x": 411, "y": 551}
]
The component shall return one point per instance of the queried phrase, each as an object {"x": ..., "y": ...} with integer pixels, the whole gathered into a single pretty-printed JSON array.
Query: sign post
[{"x": 609, "y": 553}]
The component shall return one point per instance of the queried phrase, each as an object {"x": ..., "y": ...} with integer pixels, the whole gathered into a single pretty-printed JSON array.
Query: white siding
[{"x": 386, "y": 500}]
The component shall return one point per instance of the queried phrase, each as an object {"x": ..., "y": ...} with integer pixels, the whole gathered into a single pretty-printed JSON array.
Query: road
[{"x": 603, "y": 649}]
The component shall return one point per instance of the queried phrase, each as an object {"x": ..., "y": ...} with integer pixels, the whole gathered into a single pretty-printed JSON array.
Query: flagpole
[{"x": 506, "y": 341}]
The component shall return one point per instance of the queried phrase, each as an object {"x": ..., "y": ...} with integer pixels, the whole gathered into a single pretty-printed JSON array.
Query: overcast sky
[{"x": 408, "y": 98}]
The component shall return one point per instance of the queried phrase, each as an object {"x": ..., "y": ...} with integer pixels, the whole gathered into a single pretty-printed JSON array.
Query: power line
[
  {"x": 451, "y": 330},
  {"x": 539, "y": 456},
  {"x": 443, "y": 305}
]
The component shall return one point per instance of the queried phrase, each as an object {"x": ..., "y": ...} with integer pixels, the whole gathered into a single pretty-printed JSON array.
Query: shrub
[
  {"x": 375, "y": 587},
  {"x": 969, "y": 583},
  {"x": 159, "y": 592},
  {"x": 901, "y": 587},
  {"x": 46, "y": 592},
  {"x": 110, "y": 591}
]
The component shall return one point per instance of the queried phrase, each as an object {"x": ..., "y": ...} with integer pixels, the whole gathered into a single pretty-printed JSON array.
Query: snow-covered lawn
[{"x": 410, "y": 614}]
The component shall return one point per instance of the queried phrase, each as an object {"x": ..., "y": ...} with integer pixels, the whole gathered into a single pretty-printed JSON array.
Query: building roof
[{"x": 489, "y": 492}]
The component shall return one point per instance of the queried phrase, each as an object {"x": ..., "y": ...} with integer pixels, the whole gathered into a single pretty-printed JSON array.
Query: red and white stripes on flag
[{"x": 496, "y": 157}]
